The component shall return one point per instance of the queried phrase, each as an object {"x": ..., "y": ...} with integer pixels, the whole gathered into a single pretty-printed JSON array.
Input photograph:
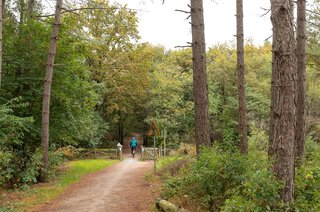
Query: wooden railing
[
  {"x": 147, "y": 153},
  {"x": 101, "y": 153}
]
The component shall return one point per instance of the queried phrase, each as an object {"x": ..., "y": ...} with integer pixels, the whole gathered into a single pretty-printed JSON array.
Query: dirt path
[{"x": 120, "y": 188}]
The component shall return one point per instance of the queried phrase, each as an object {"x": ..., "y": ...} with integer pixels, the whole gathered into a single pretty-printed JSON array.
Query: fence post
[
  {"x": 142, "y": 152},
  {"x": 154, "y": 154},
  {"x": 164, "y": 142},
  {"x": 119, "y": 151}
]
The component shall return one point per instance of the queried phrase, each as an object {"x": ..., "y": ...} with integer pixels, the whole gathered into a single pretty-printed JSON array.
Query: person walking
[{"x": 133, "y": 145}]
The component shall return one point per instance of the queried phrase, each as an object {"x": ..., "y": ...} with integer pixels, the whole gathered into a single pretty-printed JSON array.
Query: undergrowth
[{"x": 224, "y": 180}]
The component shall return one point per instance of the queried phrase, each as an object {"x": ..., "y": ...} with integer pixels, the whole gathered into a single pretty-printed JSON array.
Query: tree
[
  {"x": 241, "y": 80},
  {"x": 1, "y": 19},
  {"x": 282, "y": 115},
  {"x": 200, "y": 86},
  {"x": 47, "y": 91},
  {"x": 300, "y": 134}
]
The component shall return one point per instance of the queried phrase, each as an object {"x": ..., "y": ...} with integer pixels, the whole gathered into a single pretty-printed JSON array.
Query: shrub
[
  {"x": 228, "y": 181},
  {"x": 21, "y": 169},
  {"x": 69, "y": 152},
  {"x": 17, "y": 169},
  {"x": 258, "y": 141},
  {"x": 170, "y": 166},
  {"x": 307, "y": 182},
  {"x": 185, "y": 149},
  {"x": 6, "y": 169},
  {"x": 258, "y": 192}
]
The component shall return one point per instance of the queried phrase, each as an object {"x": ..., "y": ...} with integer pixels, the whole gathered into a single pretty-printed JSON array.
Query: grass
[{"x": 44, "y": 192}]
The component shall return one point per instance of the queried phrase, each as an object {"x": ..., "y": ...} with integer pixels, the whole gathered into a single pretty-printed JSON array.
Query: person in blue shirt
[{"x": 133, "y": 145}]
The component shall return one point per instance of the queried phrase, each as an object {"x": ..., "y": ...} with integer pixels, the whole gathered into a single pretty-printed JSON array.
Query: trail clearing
[{"x": 120, "y": 188}]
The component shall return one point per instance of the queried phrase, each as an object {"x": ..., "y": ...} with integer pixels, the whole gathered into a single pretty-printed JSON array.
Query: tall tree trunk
[
  {"x": 241, "y": 80},
  {"x": 200, "y": 86},
  {"x": 282, "y": 117},
  {"x": 1, "y": 27},
  {"x": 301, "y": 82},
  {"x": 47, "y": 91},
  {"x": 21, "y": 8},
  {"x": 30, "y": 8}
]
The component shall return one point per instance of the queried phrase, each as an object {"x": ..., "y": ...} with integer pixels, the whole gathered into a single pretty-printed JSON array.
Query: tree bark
[
  {"x": 200, "y": 86},
  {"x": 47, "y": 91},
  {"x": 21, "y": 21},
  {"x": 1, "y": 28},
  {"x": 282, "y": 117},
  {"x": 241, "y": 80},
  {"x": 30, "y": 8},
  {"x": 301, "y": 82}
]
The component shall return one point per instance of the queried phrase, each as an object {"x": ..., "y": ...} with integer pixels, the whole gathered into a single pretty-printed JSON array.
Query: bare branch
[
  {"x": 266, "y": 11},
  {"x": 187, "y": 46},
  {"x": 183, "y": 11},
  {"x": 268, "y": 38},
  {"x": 74, "y": 10},
  {"x": 313, "y": 12}
]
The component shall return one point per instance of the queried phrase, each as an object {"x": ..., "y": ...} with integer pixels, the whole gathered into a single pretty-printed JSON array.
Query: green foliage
[
  {"x": 307, "y": 182},
  {"x": 15, "y": 169},
  {"x": 223, "y": 96},
  {"x": 81, "y": 167},
  {"x": 228, "y": 181},
  {"x": 6, "y": 171},
  {"x": 13, "y": 128},
  {"x": 259, "y": 192},
  {"x": 258, "y": 140},
  {"x": 170, "y": 97},
  {"x": 168, "y": 167}
]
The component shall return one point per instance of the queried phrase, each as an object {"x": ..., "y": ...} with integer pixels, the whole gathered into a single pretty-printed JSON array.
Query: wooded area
[{"x": 236, "y": 102}]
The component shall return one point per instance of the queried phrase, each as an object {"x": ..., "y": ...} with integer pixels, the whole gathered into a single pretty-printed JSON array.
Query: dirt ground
[{"x": 119, "y": 188}]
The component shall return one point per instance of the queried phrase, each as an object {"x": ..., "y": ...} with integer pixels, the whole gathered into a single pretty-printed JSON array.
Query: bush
[
  {"x": 307, "y": 184},
  {"x": 184, "y": 150},
  {"x": 69, "y": 152},
  {"x": 20, "y": 160},
  {"x": 258, "y": 141},
  {"x": 227, "y": 181},
  {"x": 171, "y": 166},
  {"x": 18, "y": 169},
  {"x": 258, "y": 192},
  {"x": 21, "y": 169},
  {"x": 6, "y": 170}
]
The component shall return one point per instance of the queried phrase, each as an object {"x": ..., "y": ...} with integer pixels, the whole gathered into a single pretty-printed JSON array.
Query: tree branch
[
  {"x": 76, "y": 9},
  {"x": 266, "y": 11},
  {"x": 183, "y": 11}
]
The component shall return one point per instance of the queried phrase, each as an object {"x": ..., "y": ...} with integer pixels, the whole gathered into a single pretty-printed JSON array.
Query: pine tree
[
  {"x": 200, "y": 86},
  {"x": 47, "y": 91},
  {"x": 300, "y": 134},
  {"x": 282, "y": 116},
  {"x": 241, "y": 80}
]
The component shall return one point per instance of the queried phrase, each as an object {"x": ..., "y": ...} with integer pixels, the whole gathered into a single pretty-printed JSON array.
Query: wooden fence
[
  {"x": 101, "y": 153},
  {"x": 147, "y": 153}
]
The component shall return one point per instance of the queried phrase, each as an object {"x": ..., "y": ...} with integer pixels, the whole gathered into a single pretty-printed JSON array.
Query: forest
[{"x": 243, "y": 120}]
